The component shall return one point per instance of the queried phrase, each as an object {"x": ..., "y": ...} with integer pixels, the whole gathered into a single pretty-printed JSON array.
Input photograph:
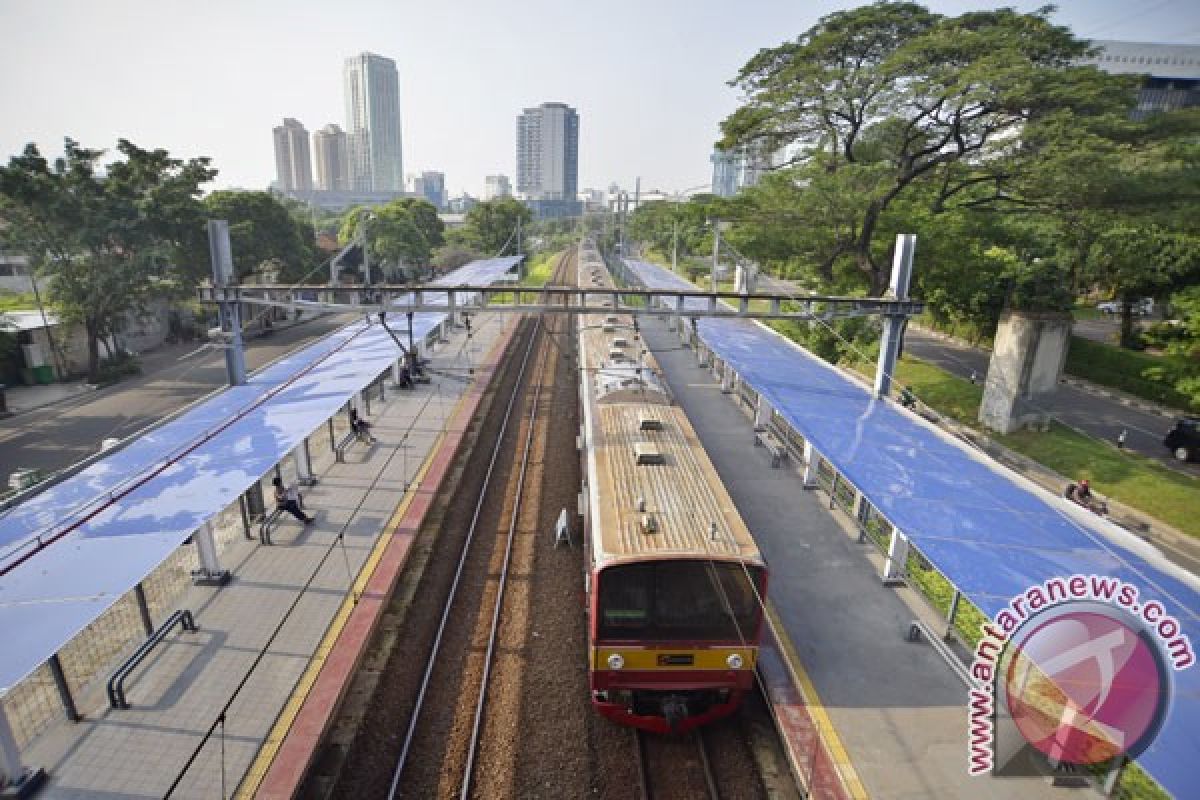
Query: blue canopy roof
[
  {"x": 990, "y": 533},
  {"x": 127, "y": 512}
]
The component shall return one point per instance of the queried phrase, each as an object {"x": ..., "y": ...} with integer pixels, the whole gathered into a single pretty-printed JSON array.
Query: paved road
[
  {"x": 1102, "y": 417},
  {"x": 57, "y": 436}
]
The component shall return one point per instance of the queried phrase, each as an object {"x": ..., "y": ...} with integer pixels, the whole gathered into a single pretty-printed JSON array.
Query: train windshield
[{"x": 702, "y": 600}]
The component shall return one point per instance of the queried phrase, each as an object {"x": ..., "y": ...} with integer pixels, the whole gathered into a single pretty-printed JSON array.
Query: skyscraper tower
[
  {"x": 293, "y": 166},
  {"x": 548, "y": 158},
  {"x": 329, "y": 144},
  {"x": 373, "y": 124}
]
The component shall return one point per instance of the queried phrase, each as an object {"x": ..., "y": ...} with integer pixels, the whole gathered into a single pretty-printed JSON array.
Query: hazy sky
[{"x": 212, "y": 77}]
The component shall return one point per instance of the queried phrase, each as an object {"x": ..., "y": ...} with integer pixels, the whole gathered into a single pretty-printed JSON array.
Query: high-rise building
[
  {"x": 1171, "y": 72},
  {"x": 373, "y": 124},
  {"x": 496, "y": 186},
  {"x": 333, "y": 173},
  {"x": 734, "y": 170},
  {"x": 293, "y": 165},
  {"x": 431, "y": 186},
  {"x": 725, "y": 172},
  {"x": 548, "y": 159}
]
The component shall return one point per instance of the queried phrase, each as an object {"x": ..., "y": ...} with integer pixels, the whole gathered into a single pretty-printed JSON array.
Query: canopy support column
[
  {"x": 762, "y": 414},
  {"x": 210, "y": 572},
  {"x": 893, "y": 324},
  {"x": 15, "y": 778},
  {"x": 809, "y": 479},
  {"x": 897, "y": 558},
  {"x": 300, "y": 457}
]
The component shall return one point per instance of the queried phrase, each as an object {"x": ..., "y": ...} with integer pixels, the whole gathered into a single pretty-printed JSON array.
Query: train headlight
[
  {"x": 734, "y": 661},
  {"x": 615, "y": 661}
]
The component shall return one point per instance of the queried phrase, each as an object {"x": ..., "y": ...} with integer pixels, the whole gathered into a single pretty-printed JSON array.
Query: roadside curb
[{"x": 1127, "y": 400}]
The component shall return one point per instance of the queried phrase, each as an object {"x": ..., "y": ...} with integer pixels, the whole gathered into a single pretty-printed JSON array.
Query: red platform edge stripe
[
  {"x": 291, "y": 763},
  {"x": 807, "y": 754}
]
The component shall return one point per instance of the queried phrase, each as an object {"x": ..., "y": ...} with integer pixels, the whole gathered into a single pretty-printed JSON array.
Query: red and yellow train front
[{"x": 674, "y": 642}]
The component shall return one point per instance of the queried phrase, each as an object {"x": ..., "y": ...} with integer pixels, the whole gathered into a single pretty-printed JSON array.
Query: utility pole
[
  {"x": 716, "y": 251},
  {"x": 518, "y": 234},
  {"x": 221, "y": 254},
  {"x": 674, "y": 245},
  {"x": 893, "y": 326},
  {"x": 366, "y": 248}
]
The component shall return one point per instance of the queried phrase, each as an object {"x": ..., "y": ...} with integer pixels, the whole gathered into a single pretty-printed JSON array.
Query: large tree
[
  {"x": 107, "y": 238},
  {"x": 262, "y": 229},
  {"x": 405, "y": 231},
  {"x": 880, "y": 99},
  {"x": 493, "y": 224}
]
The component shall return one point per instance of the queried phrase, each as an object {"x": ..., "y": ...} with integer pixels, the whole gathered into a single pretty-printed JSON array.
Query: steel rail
[
  {"x": 642, "y": 765},
  {"x": 477, "y": 726},
  {"x": 709, "y": 778},
  {"x": 462, "y": 560}
]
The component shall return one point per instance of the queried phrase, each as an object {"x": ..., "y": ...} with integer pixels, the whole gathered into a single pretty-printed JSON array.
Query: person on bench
[
  {"x": 288, "y": 499},
  {"x": 361, "y": 428}
]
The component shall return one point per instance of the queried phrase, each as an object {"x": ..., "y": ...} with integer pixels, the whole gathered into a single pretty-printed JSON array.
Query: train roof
[{"x": 658, "y": 494}]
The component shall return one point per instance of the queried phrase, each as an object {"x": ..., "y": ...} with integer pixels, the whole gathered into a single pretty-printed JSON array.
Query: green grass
[
  {"x": 14, "y": 301},
  {"x": 540, "y": 268},
  {"x": 1138, "y": 482},
  {"x": 968, "y": 620},
  {"x": 953, "y": 397}
]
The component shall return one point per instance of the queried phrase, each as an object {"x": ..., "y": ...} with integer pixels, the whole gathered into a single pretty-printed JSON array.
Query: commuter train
[{"x": 675, "y": 583}]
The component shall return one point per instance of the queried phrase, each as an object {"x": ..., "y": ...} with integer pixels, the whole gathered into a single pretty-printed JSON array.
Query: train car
[{"x": 675, "y": 582}]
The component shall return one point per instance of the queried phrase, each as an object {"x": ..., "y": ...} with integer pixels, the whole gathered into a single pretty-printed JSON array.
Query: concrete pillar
[
  {"x": 304, "y": 473},
  {"x": 726, "y": 378},
  {"x": 672, "y": 322},
  {"x": 897, "y": 558},
  {"x": 1027, "y": 361},
  {"x": 809, "y": 479}
]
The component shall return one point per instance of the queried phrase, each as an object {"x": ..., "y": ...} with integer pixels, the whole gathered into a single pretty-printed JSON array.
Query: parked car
[
  {"x": 1184, "y": 439},
  {"x": 1141, "y": 308}
]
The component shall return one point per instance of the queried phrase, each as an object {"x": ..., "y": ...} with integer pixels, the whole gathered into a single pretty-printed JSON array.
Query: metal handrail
[{"x": 116, "y": 684}]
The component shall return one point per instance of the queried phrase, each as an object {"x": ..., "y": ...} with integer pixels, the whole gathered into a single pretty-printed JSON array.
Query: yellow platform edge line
[
  {"x": 287, "y": 716},
  {"x": 829, "y": 735}
]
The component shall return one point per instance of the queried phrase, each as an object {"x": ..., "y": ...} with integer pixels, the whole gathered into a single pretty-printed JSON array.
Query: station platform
[
  {"x": 898, "y": 712},
  {"x": 264, "y": 636}
]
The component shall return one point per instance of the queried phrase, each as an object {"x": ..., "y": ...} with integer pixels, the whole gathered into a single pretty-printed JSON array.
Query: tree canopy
[
  {"x": 404, "y": 232},
  {"x": 263, "y": 229},
  {"x": 108, "y": 237},
  {"x": 879, "y": 99}
]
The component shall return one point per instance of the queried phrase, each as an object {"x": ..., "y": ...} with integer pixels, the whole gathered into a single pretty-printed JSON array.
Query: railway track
[
  {"x": 670, "y": 767},
  {"x": 508, "y": 481},
  {"x": 505, "y": 709}
]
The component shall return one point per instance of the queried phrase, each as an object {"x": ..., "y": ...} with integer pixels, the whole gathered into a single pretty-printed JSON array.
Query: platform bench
[{"x": 774, "y": 447}]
